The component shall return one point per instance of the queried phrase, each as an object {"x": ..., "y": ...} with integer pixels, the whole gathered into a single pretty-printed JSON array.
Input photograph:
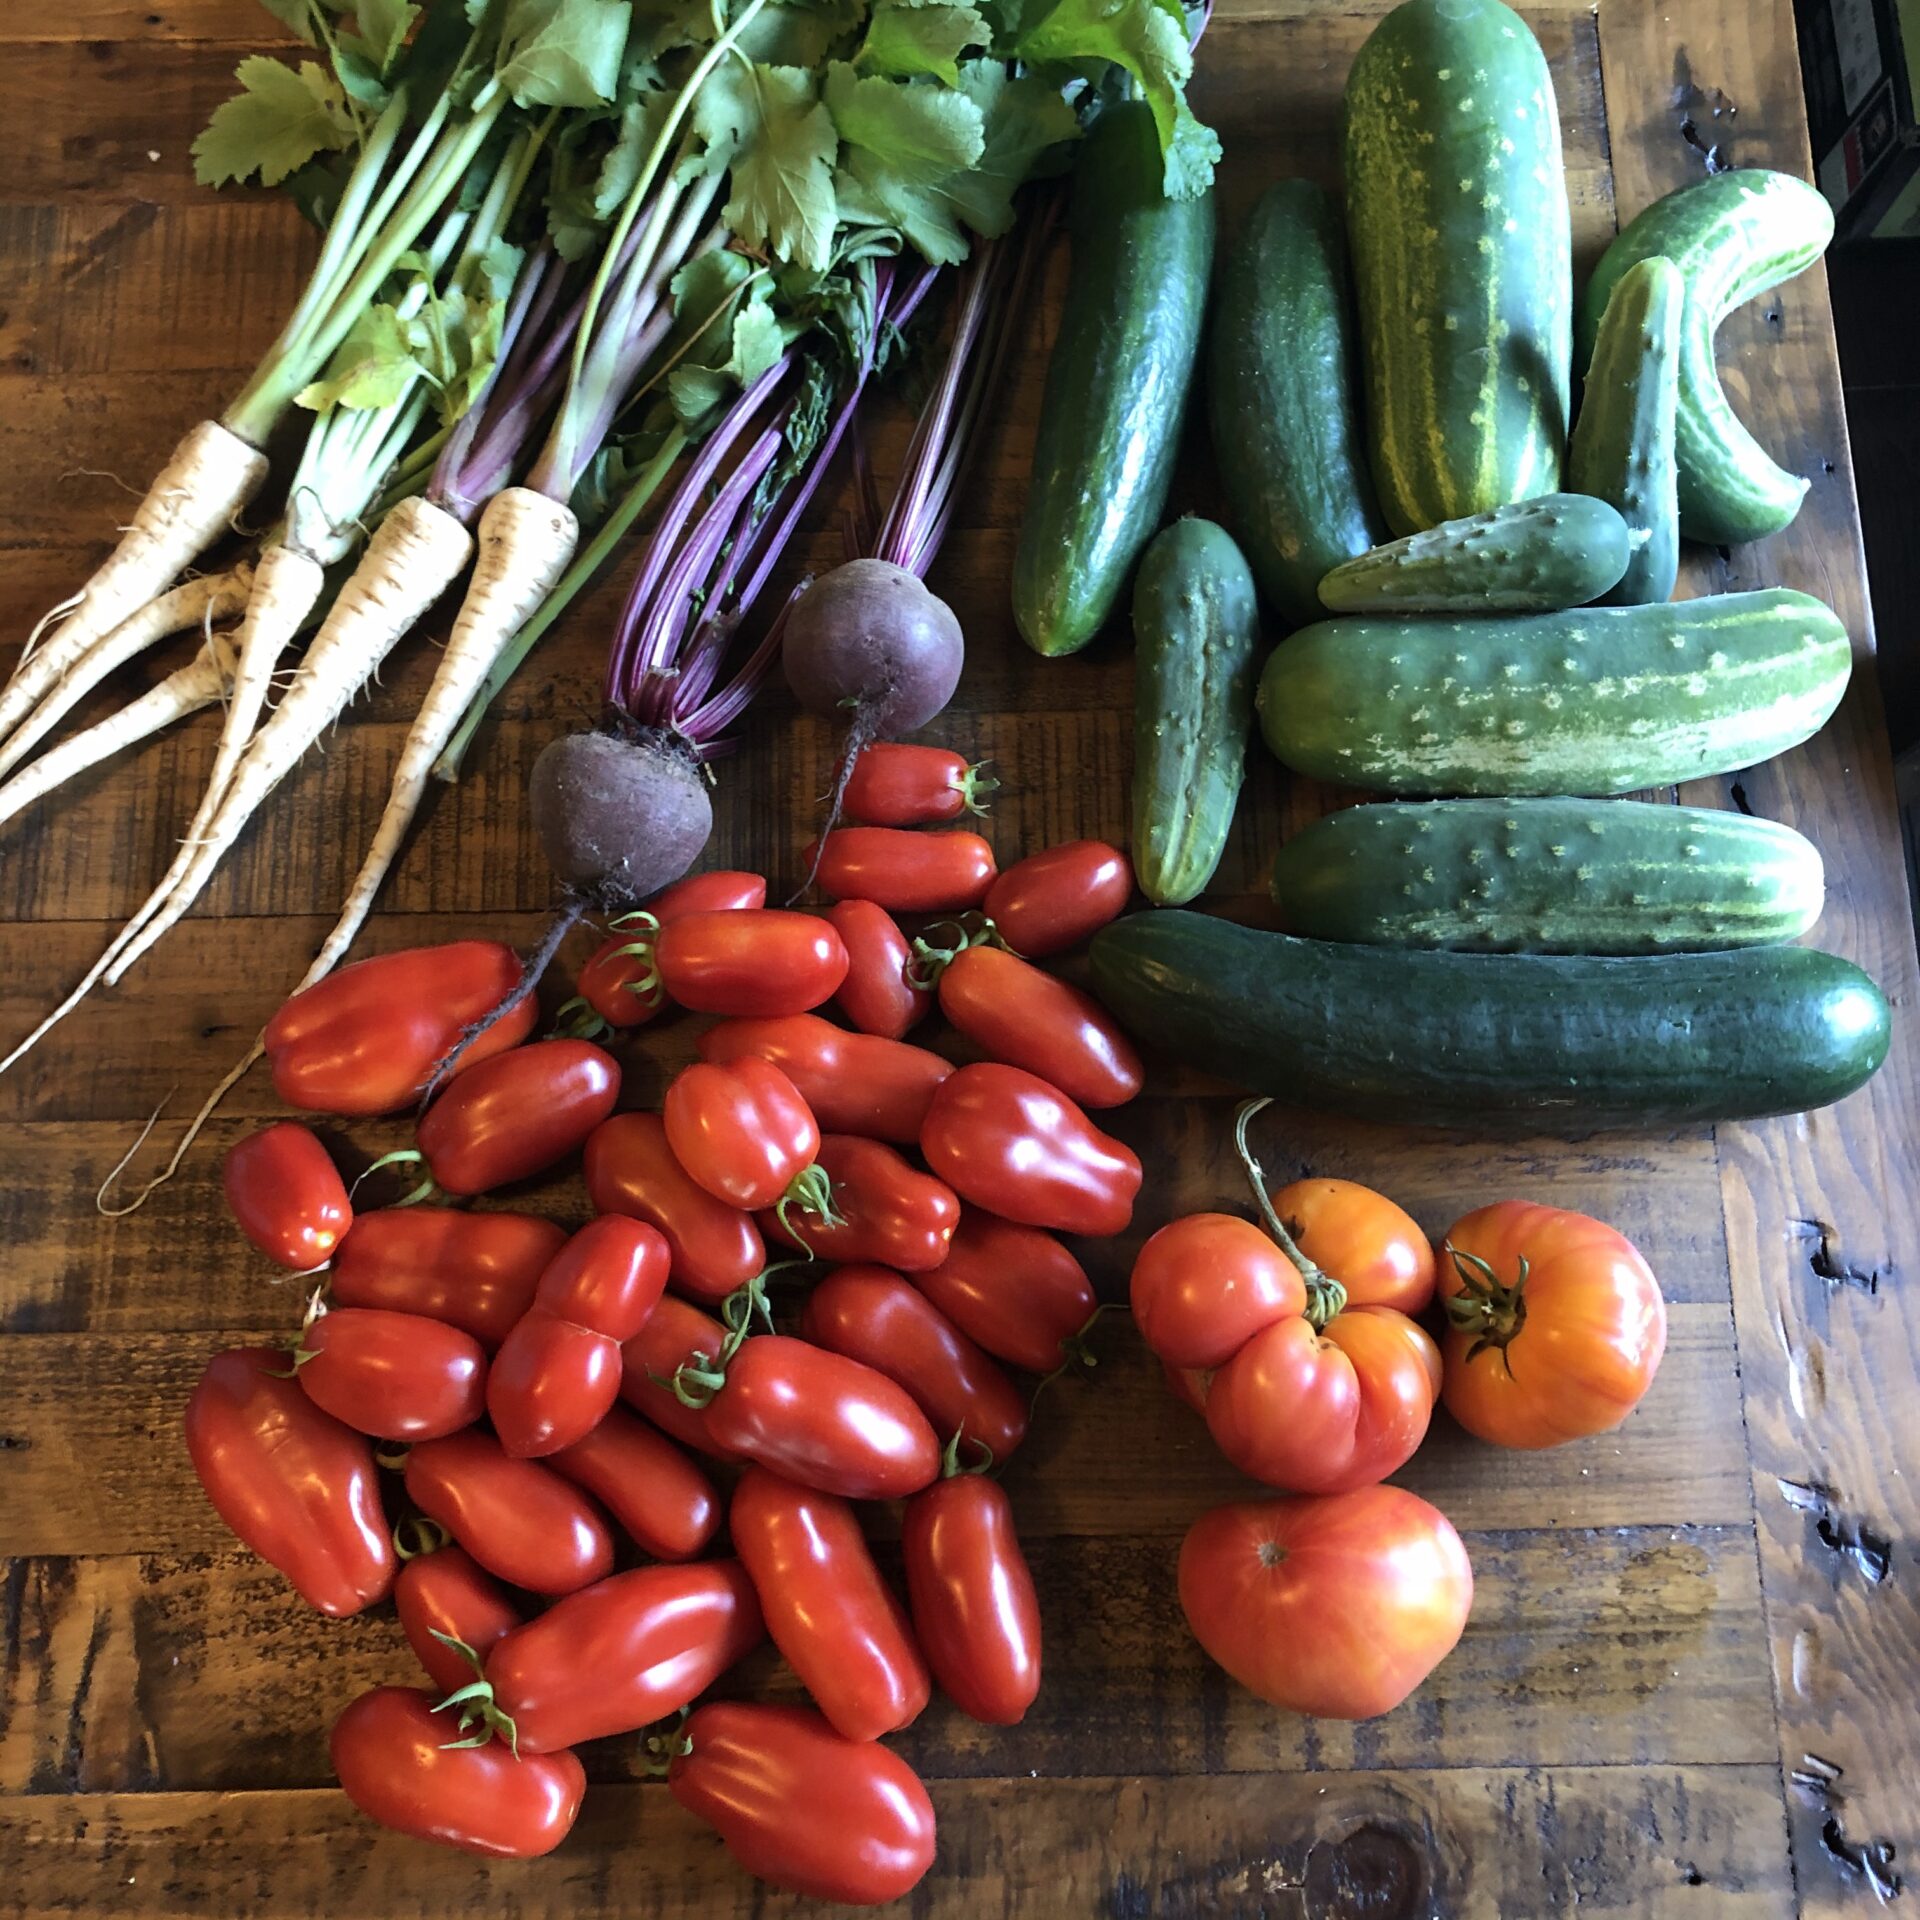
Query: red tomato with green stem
[
  {"x": 287, "y": 1195},
  {"x": 476, "y": 1271},
  {"x": 620, "y": 986},
  {"x": 1013, "y": 1290},
  {"x": 903, "y": 871},
  {"x": 296, "y": 1486},
  {"x": 743, "y": 1133},
  {"x": 878, "y": 995},
  {"x": 852, "y": 1082},
  {"x": 368, "y": 1037},
  {"x": 559, "y": 1370},
  {"x": 865, "y": 1831},
  {"x": 396, "y": 1376},
  {"x": 1374, "y": 1248},
  {"x": 1006, "y": 1139},
  {"x": 884, "y": 1209},
  {"x": 405, "y": 1767},
  {"x": 754, "y": 961},
  {"x": 827, "y": 1607},
  {"x": 1337, "y": 1607},
  {"x": 444, "y": 1591},
  {"x": 1060, "y": 897},
  {"x": 1206, "y": 1283},
  {"x": 1555, "y": 1325},
  {"x": 658, "y": 1497},
  {"x": 894, "y": 784},
  {"x": 677, "y": 1335},
  {"x": 872, "y": 1315}
]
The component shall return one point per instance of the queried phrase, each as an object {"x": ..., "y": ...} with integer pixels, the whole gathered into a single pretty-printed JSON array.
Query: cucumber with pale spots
[
  {"x": 1548, "y": 876},
  {"x": 1462, "y": 260},
  {"x": 1593, "y": 701},
  {"x": 1560, "y": 550}
]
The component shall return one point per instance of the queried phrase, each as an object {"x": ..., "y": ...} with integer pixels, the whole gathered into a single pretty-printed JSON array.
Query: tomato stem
[
  {"x": 1491, "y": 1312},
  {"x": 931, "y": 959},
  {"x": 950, "y": 1467},
  {"x": 413, "y": 1538},
  {"x": 973, "y": 783},
  {"x": 575, "y": 1019},
  {"x": 1326, "y": 1297},
  {"x": 401, "y": 1157},
  {"x": 477, "y": 1708},
  {"x": 811, "y": 1190}
]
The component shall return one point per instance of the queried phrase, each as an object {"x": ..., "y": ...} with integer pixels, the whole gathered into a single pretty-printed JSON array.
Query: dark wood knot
[{"x": 1374, "y": 1873}]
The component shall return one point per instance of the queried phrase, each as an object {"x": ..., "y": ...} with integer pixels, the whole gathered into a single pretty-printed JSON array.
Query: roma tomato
[
  {"x": 902, "y": 871},
  {"x": 367, "y": 1038},
  {"x": 1004, "y": 1138},
  {"x": 626, "y": 1651},
  {"x": 1555, "y": 1325},
  {"x": 676, "y": 1332},
  {"x": 559, "y": 1369},
  {"x": 756, "y": 961},
  {"x": 741, "y": 1130},
  {"x": 397, "y": 1376},
  {"x": 1337, "y": 1607},
  {"x": 391, "y": 1752},
  {"x": 874, "y": 1316},
  {"x": 515, "y": 1116},
  {"x": 518, "y": 1519},
  {"x": 823, "y": 1420},
  {"x": 1013, "y": 1290},
  {"x": 887, "y": 1211},
  {"x": 722, "y": 891},
  {"x": 1374, "y": 1248},
  {"x": 1205, "y": 1284},
  {"x": 877, "y": 995},
  {"x": 712, "y": 1248},
  {"x": 620, "y": 983},
  {"x": 827, "y": 1609},
  {"x": 852, "y": 1082},
  {"x": 896, "y": 785},
  {"x": 664, "y": 1504},
  {"x": 802, "y": 1808},
  {"x": 448, "y": 1591},
  {"x": 1060, "y": 897},
  {"x": 476, "y": 1271},
  {"x": 296, "y": 1485},
  {"x": 974, "y": 1607},
  {"x": 287, "y": 1195},
  {"x": 1018, "y": 1014}
]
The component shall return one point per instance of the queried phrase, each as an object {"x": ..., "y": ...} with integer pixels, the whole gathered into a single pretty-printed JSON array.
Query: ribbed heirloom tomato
[
  {"x": 287, "y": 1195},
  {"x": 476, "y": 1271},
  {"x": 1374, "y": 1248},
  {"x": 853, "y": 1082}
]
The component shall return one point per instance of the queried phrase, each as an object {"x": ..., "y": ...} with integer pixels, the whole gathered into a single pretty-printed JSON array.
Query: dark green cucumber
[
  {"x": 1116, "y": 385},
  {"x": 1548, "y": 876},
  {"x": 1283, "y": 392},
  {"x": 1596, "y": 700},
  {"x": 1622, "y": 448},
  {"x": 1560, "y": 550},
  {"x": 1462, "y": 260},
  {"x": 1495, "y": 1041},
  {"x": 1196, "y": 630},
  {"x": 1732, "y": 235}
]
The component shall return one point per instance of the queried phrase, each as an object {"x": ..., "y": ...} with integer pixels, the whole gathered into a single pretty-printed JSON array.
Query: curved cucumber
[
  {"x": 1496, "y": 1040},
  {"x": 1732, "y": 236},
  {"x": 1284, "y": 398},
  {"x": 1196, "y": 624},
  {"x": 1462, "y": 259},
  {"x": 1622, "y": 447},
  {"x": 1560, "y": 550},
  {"x": 1116, "y": 385},
  {"x": 1549, "y": 876},
  {"x": 1598, "y": 700}
]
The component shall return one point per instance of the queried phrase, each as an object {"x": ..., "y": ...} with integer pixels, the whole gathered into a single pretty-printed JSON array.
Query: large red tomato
[{"x": 1206, "y": 1283}]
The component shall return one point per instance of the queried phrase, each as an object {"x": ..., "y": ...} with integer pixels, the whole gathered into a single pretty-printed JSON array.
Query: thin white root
[
  {"x": 39, "y": 700},
  {"x": 58, "y": 611},
  {"x": 142, "y": 1194}
]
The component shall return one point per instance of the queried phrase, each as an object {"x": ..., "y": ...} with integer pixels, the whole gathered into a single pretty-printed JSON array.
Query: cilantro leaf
[
  {"x": 767, "y": 125},
  {"x": 906, "y": 37},
  {"x": 372, "y": 367},
  {"x": 904, "y": 145},
  {"x": 274, "y": 126},
  {"x": 563, "y": 53},
  {"x": 1024, "y": 117},
  {"x": 384, "y": 26}
]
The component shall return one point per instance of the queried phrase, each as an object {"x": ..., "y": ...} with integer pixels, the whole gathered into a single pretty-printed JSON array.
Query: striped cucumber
[
  {"x": 1560, "y": 550},
  {"x": 1283, "y": 391},
  {"x": 1622, "y": 447},
  {"x": 1495, "y": 1041},
  {"x": 1462, "y": 260},
  {"x": 1196, "y": 626},
  {"x": 1548, "y": 876},
  {"x": 1599, "y": 700},
  {"x": 1732, "y": 235}
]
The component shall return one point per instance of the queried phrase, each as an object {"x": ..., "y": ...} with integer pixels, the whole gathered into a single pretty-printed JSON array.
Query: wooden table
[{"x": 1669, "y": 1620}]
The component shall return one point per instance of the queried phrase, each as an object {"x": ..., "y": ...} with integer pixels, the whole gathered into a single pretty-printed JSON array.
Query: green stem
[{"x": 1326, "y": 1297}]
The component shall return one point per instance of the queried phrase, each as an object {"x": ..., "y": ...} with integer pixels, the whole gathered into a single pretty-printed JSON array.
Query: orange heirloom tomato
[
  {"x": 1556, "y": 1325},
  {"x": 1374, "y": 1248}
]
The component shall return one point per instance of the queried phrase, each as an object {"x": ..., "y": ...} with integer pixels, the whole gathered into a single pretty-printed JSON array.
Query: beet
[
  {"x": 868, "y": 643},
  {"x": 621, "y": 815}
]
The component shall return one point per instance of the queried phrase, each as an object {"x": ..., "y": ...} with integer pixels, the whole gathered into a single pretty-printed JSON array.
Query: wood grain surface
[{"x": 1668, "y": 1620}]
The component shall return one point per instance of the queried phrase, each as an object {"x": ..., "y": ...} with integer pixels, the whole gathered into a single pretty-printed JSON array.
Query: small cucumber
[
  {"x": 1548, "y": 876},
  {"x": 1622, "y": 447},
  {"x": 1196, "y": 626},
  {"x": 1596, "y": 700},
  {"x": 1560, "y": 550},
  {"x": 1116, "y": 386},
  {"x": 1283, "y": 398}
]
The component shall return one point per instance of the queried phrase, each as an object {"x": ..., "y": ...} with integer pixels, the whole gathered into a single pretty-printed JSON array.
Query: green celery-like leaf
[
  {"x": 359, "y": 73},
  {"x": 563, "y": 53},
  {"x": 297, "y": 17},
  {"x": 757, "y": 342},
  {"x": 704, "y": 291},
  {"x": 801, "y": 35},
  {"x": 905, "y": 38},
  {"x": 641, "y": 119},
  {"x": 1191, "y": 155},
  {"x": 769, "y": 128},
  {"x": 373, "y": 367},
  {"x": 384, "y": 26},
  {"x": 903, "y": 147},
  {"x": 1025, "y": 118},
  {"x": 274, "y": 126}
]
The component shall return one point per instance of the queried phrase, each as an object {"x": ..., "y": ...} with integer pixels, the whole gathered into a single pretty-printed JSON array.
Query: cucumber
[
  {"x": 1560, "y": 550},
  {"x": 1622, "y": 448},
  {"x": 1599, "y": 700},
  {"x": 1116, "y": 385},
  {"x": 1732, "y": 235},
  {"x": 1462, "y": 260},
  {"x": 1196, "y": 625},
  {"x": 1495, "y": 1041},
  {"x": 1548, "y": 876},
  {"x": 1283, "y": 398}
]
